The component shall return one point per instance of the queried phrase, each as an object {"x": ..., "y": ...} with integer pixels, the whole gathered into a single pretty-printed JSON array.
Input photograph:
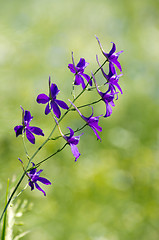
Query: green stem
[
  {"x": 59, "y": 150},
  {"x": 88, "y": 104},
  {"x": 77, "y": 130}
]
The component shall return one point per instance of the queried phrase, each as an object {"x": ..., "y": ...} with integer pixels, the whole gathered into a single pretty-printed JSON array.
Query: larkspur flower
[
  {"x": 78, "y": 70},
  {"x": 91, "y": 121},
  {"x": 25, "y": 127},
  {"x": 52, "y": 102},
  {"x": 112, "y": 78},
  {"x": 71, "y": 140},
  {"x": 34, "y": 177},
  {"x": 111, "y": 56},
  {"x": 107, "y": 97}
]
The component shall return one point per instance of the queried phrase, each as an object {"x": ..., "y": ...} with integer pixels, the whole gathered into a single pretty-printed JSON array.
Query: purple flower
[
  {"x": 34, "y": 177},
  {"x": 52, "y": 102},
  {"x": 111, "y": 56},
  {"x": 107, "y": 97},
  {"x": 73, "y": 141},
  {"x": 112, "y": 78},
  {"x": 78, "y": 70},
  {"x": 91, "y": 121},
  {"x": 25, "y": 127}
]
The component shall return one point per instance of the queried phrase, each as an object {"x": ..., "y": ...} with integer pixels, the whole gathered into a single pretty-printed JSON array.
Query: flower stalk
[{"x": 54, "y": 105}]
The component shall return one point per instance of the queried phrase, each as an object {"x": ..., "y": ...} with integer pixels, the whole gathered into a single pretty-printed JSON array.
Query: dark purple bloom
[
  {"x": 25, "y": 127},
  {"x": 73, "y": 141},
  {"x": 112, "y": 78},
  {"x": 52, "y": 102},
  {"x": 78, "y": 70},
  {"x": 107, "y": 97},
  {"x": 34, "y": 177},
  {"x": 111, "y": 56},
  {"x": 91, "y": 121}
]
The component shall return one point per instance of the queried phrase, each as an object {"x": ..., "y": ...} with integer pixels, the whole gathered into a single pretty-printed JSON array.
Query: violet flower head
[
  {"x": 107, "y": 98},
  {"x": 73, "y": 141},
  {"x": 91, "y": 121},
  {"x": 112, "y": 78},
  {"x": 78, "y": 70},
  {"x": 111, "y": 56},
  {"x": 25, "y": 127},
  {"x": 52, "y": 102},
  {"x": 34, "y": 177}
]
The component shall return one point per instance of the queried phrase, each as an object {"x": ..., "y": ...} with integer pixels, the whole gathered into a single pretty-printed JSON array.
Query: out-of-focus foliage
[{"x": 111, "y": 192}]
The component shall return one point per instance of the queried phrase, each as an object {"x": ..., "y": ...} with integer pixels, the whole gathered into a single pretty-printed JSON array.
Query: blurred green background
[{"x": 112, "y": 192}]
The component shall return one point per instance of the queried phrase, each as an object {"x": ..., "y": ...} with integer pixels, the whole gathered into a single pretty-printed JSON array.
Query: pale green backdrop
[{"x": 112, "y": 192}]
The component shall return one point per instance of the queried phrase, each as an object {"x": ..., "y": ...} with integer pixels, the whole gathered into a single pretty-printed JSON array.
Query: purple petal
[
  {"x": 32, "y": 172},
  {"x": 118, "y": 86},
  {"x": 79, "y": 80},
  {"x": 18, "y": 130},
  {"x": 54, "y": 90},
  {"x": 47, "y": 109},
  {"x": 72, "y": 68},
  {"x": 74, "y": 140},
  {"x": 71, "y": 132},
  {"x": 75, "y": 151},
  {"x": 42, "y": 98},
  {"x": 40, "y": 189},
  {"x": 62, "y": 104},
  {"x": 93, "y": 122},
  {"x": 44, "y": 181},
  {"x": 114, "y": 60},
  {"x": 108, "y": 111},
  {"x": 36, "y": 131},
  {"x": 112, "y": 70},
  {"x": 87, "y": 77},
  {"x": 82, "y": 63},
  {"x": 94, "y": 130},
  {"x": 31, "y": 184},
  {"x": 56, "y": 109},
  {"x": 30, "y": 136},
  {"x": 113, "y": 49},
  {"x": 27, "y": 116}
]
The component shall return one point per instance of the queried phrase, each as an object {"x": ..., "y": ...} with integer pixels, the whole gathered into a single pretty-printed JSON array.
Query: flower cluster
[{"x": 53, "y": 105}]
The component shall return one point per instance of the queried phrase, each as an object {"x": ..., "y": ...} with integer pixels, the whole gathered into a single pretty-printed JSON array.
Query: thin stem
[
  {"x": 42, "y": 145},
  {"x": 88, "y": 104},
  {"x": 77, "y": 130},
  {"x": 59, "y": 150}
]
